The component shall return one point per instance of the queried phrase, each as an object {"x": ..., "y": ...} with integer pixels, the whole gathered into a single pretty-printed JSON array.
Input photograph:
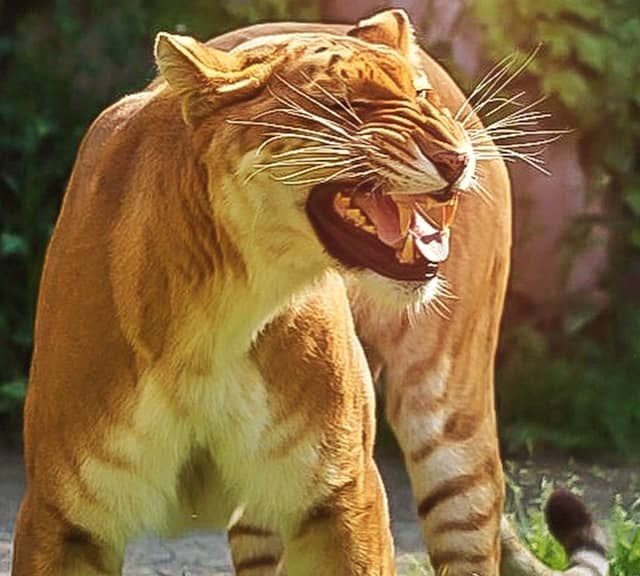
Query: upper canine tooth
[
  {"x": 406, "y": 255},
  {"x": 427, "y": 204},
  {"x": 404, "y": 217}
]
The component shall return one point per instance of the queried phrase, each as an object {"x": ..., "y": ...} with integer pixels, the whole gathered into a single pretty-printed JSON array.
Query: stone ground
[{"x": 207, "y": 554}]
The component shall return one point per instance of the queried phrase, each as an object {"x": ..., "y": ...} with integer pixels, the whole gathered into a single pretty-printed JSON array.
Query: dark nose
[{"x": 450, "y": 164}]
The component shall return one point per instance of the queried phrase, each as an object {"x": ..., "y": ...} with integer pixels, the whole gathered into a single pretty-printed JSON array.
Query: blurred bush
[
  {"x": 61, "y": 62},
  {"x": 576, "y": 383},
  {"x": 573, "y": 384}
]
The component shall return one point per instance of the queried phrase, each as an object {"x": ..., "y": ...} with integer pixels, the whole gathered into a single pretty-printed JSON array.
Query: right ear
[{"x": 207, "y": 78}]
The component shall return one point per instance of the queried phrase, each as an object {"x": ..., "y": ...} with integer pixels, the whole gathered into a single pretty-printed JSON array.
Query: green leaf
[
  {"x": 13, "y": 245},
  {"x": 591, "y": 50},
  {"x": 632, "y": 199},
  {"x": 588, "y": 11},
  {"x": 12, "y": 394},
  {"x": 570, "y": 86}
]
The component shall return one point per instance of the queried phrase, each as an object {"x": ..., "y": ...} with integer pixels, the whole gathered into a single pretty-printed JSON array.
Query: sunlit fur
[
  {"x": 196, "y": 364},
  {"x": 435, "y": 362}
]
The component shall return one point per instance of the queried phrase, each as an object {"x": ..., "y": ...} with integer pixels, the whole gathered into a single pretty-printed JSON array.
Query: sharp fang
[
  {"x": 422, "y": 208},
  {"x": 370, "y": 229},
  {"x": 449, "y": 212},
  {"x": 405, "y": 214},
  {"x": 426, "y": 205},
  {"x": 406, "y": 256}
]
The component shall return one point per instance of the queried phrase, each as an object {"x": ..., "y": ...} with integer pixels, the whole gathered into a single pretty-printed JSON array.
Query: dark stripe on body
[
  {"x": 454, "y": 487},
  {"x": 472, "y": 522},
  {"x": 448, "y": 557},
  {"x": 265, "y": 561}
]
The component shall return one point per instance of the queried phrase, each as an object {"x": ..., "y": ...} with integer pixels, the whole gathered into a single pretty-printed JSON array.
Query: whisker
[
  {"x": 445, "y": 289},
  {"x": 321, "y": 150},
  {"x": 511, "y": 157},
  {"x": 523, "y": 113},
  {"x": 324, "y": 180},
  {"x": 525, "y": 144},
  {"x": 476, "y": 109},
  {"x": 315, "y": 167},
  {"x": 483, "y": 82},
  {"x": 289, "y": 132},
  {"x": 511, "y": 133},
  {"x": 518, "y": 121},
  {"x": 346, "y": 105},
  {"x": 316, "y": 163},
  {"x": 439, "y": 307},
  {"x": 504, "y": 102},
  {"x": 482, "y": 192},
  {"x": 309, "y": 98},
  {"x": 319, "y": 163},
  {"x": 305, "y": 114},
  {"x": 489, "y": 93}
]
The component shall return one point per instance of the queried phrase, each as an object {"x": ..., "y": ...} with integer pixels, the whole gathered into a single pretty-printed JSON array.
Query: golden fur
[
  {"x": 438, "y": 367},
  {"x": 196, "y": 364}
]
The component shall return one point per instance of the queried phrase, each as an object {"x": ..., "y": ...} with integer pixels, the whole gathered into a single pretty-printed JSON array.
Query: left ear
[
  {"x": 205, "y": 78},
  {"x": 391, "y": 28}
]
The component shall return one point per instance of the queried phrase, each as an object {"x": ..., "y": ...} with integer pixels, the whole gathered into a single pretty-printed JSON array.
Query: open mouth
[{"x": 400, "y": 236}]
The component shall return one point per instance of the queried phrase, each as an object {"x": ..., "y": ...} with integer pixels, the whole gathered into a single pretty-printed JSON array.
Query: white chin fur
[{"x": 389, "y": 296}]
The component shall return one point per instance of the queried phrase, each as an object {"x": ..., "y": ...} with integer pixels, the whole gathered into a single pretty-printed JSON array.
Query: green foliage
[
  {"x": 625, "y": 538},
  {"x": 60, "y": 66},
  {"x": 418, "y": 568},
  {"x": 581, "y": 396},
  {"x": 574, "y": 384},
  {"x": 622, "y": 529},
  {"x": 623, "y": 533}
]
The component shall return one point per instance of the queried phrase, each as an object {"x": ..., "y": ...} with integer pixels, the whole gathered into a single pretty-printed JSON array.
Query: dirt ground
[{"x": 207, "y": 554}]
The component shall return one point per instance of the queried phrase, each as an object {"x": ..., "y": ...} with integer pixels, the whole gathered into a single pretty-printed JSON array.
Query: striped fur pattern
[
  {"x": 436, "y": 359},
  {"x": 196, "y": 362}
]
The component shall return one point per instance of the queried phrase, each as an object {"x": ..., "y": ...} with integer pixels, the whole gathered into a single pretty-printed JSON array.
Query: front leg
[
  {"x": 438, "y": 375},
  {"x": 255, "y": 550},
  {"x": 348, "y": 533},
  {"x": 48, "y": 544},
  {"x": 310, "y": 473}
]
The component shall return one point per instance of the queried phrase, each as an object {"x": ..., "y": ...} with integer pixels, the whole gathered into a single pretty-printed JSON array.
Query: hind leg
[
  {"x": 47, "y": 545},
  {"x": 447, "y": 431}
]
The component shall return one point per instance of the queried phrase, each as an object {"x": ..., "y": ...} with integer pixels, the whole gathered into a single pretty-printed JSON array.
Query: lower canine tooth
[
  {"x": 406, "y": 255},
  {"x": 449, "y": 212},
  {"x": 369, "y": 228}
]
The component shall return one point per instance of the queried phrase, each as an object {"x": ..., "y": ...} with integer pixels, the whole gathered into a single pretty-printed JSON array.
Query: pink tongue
[
  {"x": 382, "y": 211},
  {"x": 432, "y": 243}
]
